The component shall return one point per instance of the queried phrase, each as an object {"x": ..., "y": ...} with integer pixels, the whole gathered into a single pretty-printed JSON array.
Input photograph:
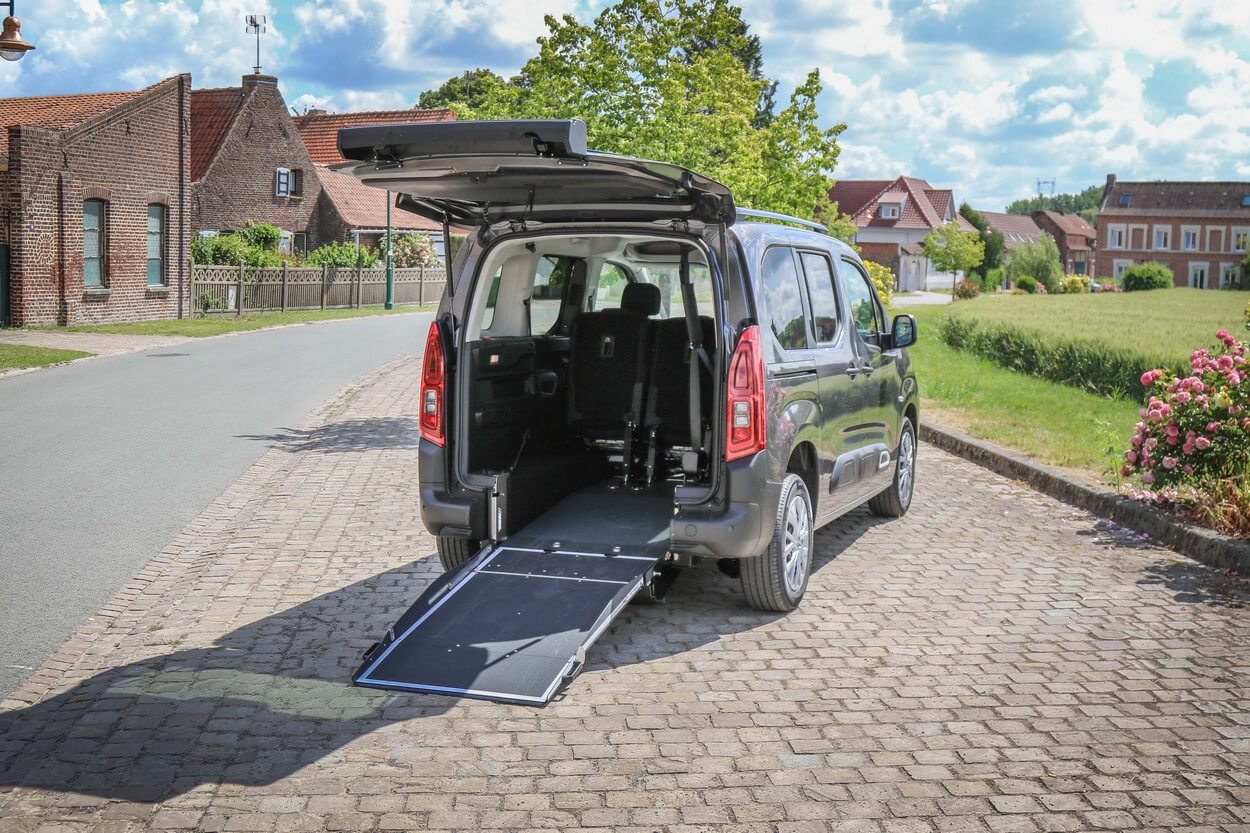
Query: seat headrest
[{"x": 641, "y": 298}]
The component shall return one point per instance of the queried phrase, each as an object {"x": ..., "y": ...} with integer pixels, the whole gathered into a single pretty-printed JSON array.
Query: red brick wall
[
  {"x": 326, "y": 226},
  {"x": 239, "y": 184},
  {"x": 1173, "y": 257},
  {"x": 131, "y": 156}
]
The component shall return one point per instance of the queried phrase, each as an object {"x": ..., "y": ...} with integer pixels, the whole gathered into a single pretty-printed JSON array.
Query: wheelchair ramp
[{"x": 513, "y": 625}]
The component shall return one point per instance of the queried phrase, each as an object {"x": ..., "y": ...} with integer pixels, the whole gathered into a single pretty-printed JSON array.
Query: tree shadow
[
  {"x": 1197, "y": 584},
  {"x": 347, "y": 435}
]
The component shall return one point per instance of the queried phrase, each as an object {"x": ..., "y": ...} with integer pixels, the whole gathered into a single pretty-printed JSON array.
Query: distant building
[
  {"x": 1015, "y": 228},
  {"x": 1199, "y": 230},
  {"x": 248, "y": 162},
  {"x": 892, "y": 218},
  {"x": 349, "y": 210},
  {"x": 93, "y": 206},
  {"x": 1075, "y": 238}
]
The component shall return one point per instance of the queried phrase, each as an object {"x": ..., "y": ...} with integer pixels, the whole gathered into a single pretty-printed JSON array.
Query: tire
[
  {"x": 773, "y": 582},
  {"x": 455, "y": 551},
  {"x": 895, "y": 501}
]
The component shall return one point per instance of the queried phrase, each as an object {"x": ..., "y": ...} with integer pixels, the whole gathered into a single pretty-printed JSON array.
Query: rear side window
[
  {"x": 819, "y": 272},
  {"x": 667, "y": 276},
  {"x": 865, "y": 312},
  {"x": 783, "y": 295}
]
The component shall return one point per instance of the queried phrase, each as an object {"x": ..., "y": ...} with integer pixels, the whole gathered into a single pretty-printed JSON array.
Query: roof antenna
[{"x": 256, "y": 26}]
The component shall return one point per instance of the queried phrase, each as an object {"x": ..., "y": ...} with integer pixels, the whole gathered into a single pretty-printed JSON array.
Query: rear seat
[{"x": 668, "y": 407}]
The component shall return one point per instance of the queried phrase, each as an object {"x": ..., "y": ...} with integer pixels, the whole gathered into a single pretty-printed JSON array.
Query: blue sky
[{"x": 985, "y": 96}]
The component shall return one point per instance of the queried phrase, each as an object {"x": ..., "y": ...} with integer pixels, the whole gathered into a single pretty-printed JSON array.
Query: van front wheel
[
  {"x": 455, "y": 551},
  {"x": 776, "y": 580}
]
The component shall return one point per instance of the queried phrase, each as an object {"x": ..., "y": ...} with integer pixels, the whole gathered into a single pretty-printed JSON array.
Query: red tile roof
[
  {"x": 883, "y": 253},
  {"x": 213, "y": 112},
  {"x": 363, "y": 206},
  {"x": 924, "y": 207},
  {"x": 1199, "y": 199},
  {"x": 320, "y": 131},
  {"x": 1070, "y": 224},
  {"x": 1015, "y": 228},
  {"x": 56, "y": 111}
]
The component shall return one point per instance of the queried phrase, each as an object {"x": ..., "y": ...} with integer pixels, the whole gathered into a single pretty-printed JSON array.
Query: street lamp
[{"x": 12, "y": 46}]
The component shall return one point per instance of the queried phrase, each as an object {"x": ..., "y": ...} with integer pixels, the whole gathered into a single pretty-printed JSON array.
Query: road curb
[{"x": 1200, "y": 544}]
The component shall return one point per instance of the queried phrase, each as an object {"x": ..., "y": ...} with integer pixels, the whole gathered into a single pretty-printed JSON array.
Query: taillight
[
  {"x": 433, "y": 387},
  {"x": 745, "y": 432}
]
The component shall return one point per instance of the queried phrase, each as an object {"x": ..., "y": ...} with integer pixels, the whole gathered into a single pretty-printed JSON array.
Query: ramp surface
[{"x": 512, "y": 625}]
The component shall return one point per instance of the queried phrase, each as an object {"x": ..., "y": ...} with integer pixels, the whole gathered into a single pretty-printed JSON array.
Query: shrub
[
  {"x": 408, "y": 250},
  {"x": 883, "y": 279},
  {"x": 1075, "y": 284},
  {"x": 1019, "y": 291},
  {"x": 261, "y": 235},
  {"x": 231, "y": 250},
  {"x": 342, "y": 255},
  {"x": 966, "y": 290},
  {"x": 993, "y": 279},
  {"x": 1038, "y": 260},
  {"x": 1192, "y": 446},
  {"x": 1145, "y": 276},
  {"x": 1028, "y": 283}
]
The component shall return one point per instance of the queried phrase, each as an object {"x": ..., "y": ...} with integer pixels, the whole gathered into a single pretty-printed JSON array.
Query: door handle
[{"x": 856, "y": 369}]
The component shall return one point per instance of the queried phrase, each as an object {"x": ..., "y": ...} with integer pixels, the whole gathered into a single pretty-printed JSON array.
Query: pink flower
[
  {"x": 1213, "y": 427},
  {"x": 1172, "y": 440},
  {"x": 1169, "y": 462},
  {"x": 1148, "y": 378},
  {"x": 1172, "y": 431},
  {"x": 1125, "y": 471},
  {"x": 1147, "y": 478},
  {"x": 1188, "y": 448},
  {"x": 1202, "y": 443},
  {"x": 1234, "y": 378},
  {"x": 1151, "y": 443},
  {"x": 1224, "y": 363},
  {"x": 1131, "y": 456},
  {"x": 1182, "y": 397},
  {"x": 1188, "y": 469}
]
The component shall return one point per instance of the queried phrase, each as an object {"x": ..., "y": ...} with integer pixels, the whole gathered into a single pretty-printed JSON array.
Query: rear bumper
[
  {"x": 442, "y": 512},
  {"x": 741, "y": 528}
]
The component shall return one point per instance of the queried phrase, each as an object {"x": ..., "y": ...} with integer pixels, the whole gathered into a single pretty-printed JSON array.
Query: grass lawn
[
  {"x": 13, "y": 356},
  {"x": 1165, "y": 323},
  {"x": 1050, "y": 422},
  {"x": 225, "y": 323}
]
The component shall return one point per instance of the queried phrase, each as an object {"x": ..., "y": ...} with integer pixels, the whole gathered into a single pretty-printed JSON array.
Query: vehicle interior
[{"x": 586, "y": 386}]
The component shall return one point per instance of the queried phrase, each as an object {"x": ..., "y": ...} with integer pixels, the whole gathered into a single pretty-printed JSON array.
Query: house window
[
  {"x": 1115, "y": 237},
  {"x": 300, "y": 243},
  {"x": 1189, "y": 238},
  {"x": 1118, "y": 267},
  {"x": 94, "y": 243},
  {"x": 1198, "y": 275},
  {"x": 889, "y": 211},
  {"x": 1241, "y": 239},
  {"x": 156, "y": 244},
  {"x": 1163, "y": 237},
  {"x": 1228, "y": 275},
  {"x": 1126, "y": 199},
  {"x": 287, "y": 182}
]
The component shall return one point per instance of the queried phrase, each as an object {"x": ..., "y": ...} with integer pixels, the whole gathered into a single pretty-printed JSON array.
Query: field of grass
[
  {"x": 1050, "y": 422},
  {"x": 14, "y": 356},
  {"x": 224, "y": 323},
  {"x": 1166, "y": 323}
]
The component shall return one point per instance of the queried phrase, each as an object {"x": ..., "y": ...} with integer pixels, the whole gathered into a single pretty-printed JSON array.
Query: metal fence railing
[{"x": 239, "y": 289}]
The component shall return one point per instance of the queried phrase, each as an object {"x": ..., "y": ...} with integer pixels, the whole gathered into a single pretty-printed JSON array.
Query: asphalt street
[{"x": 102, "y": 462}]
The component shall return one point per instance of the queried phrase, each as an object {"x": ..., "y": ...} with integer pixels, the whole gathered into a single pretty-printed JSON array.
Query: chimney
[
  {"x": 252, "y": 80},
  {"x": 1106, "y": 189},
  {"x": 315, "y": 111}
]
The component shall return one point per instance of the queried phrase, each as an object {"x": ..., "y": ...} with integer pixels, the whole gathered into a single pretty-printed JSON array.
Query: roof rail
[{"x": 753, "y": 213}]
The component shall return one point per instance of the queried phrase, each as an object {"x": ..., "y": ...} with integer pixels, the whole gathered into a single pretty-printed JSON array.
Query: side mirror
[{"x": 903, "y": 332}]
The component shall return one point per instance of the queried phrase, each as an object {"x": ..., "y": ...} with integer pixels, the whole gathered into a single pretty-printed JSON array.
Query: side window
[
  {"x": 488, "y": 315},
  {"x": 547, "y": 295},
  {"x": 608, "y": 289},
  {"x": 863, "y": 303},
  {"x": 819, "y": 272},
  {"x": 784, "y": 298}
]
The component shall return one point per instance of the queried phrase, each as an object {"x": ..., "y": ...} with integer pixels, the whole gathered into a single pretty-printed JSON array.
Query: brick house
[
  {"x": 1075, "y": 239},
  {"x": 892, "y": 218},
  {"x": 1199, "y": 230},
  {"x": 348, "y": 209},
  {"x": 248, "y": 162},
  {"x": 93, "y": 206},
  {"x": 1016, "y": 229}
]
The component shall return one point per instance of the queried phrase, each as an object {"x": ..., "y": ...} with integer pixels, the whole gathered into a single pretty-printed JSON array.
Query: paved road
[{"x": 102, "y": 462}]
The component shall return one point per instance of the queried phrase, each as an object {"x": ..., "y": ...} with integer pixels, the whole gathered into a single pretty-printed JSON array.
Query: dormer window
[
  {"x": 889, "y": 211},
  {"x": 1126, "y": 200}
]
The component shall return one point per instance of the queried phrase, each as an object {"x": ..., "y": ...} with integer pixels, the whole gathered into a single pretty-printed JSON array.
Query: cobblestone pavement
[
  {"x": 995, "y": 661},
  {"x": 100, "y": 344}
]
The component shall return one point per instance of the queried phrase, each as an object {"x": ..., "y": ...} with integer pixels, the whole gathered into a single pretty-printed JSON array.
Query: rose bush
[{"x": 1192, "y": 446}]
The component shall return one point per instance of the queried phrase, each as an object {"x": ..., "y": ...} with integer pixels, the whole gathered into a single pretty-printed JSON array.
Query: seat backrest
[
  {"x": 611, "y": 363},
  {"x": 670, "y": 390}
]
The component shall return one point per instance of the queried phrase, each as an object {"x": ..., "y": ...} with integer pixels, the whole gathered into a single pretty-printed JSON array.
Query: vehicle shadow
[{"x": 346, "y": 435}]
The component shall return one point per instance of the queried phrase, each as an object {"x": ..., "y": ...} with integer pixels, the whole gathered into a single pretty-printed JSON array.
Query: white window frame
[
  {"x": 889, "y": 211},
  {"x": 1145, "y": 236},
  {"x": 1111, "y": 230},
  {"x": 1206, "y": 273},
  {"x": 1228, "y": 274},
  {"x": 283, "y": 182},
  {"x": 1196, "y": 231},
  {"x": 1223, "y": 233},
  {"x": 1167, "y": 241},
  {"x": 1232, "y": 238},
  {"x": 1119, "y": 265}
]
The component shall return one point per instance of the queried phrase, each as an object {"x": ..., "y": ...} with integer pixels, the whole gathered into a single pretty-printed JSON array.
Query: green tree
[
  {"x": 993, "y": 239},
  {"x": 466, "y": 91},
  {"x": 1084, "y": 202},
  {"x": 1039, "y": 259},
  {"x": 665, "y": 79},
  {"x": 951, "y": 249}
]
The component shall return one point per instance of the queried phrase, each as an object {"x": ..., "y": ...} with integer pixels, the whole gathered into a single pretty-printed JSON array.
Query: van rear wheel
[
  {"x": 776, "y": 580},
  {"x": 455, "y": 551}
]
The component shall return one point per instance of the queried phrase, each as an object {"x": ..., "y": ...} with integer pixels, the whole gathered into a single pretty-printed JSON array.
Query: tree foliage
[
  {"x": 992, "y": 239},
  {"x": 464, "y": 92},
  {"x": 1039, "y": 259},
  {"x": 231, "y": 250},
  {"x": 669, "y": 80},
  {"x": 342, "y": 255},
  {"x": 951, "y": 249},
  {"x": 1085, "y": 203}
]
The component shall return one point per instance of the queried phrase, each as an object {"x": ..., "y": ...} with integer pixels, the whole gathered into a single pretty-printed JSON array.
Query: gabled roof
[
  {"x": 924, "y": 207},
  {"x": 1072, "y": 224},
  {"x": 363, "y": 206},
  {"x": 1201, "y": 199},
  {"x": 57, "y": 111},
  {"x": 1015, "y": 228},
  {"x": 320, "y": 131},
  {"x": 213, "y": 112}
]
